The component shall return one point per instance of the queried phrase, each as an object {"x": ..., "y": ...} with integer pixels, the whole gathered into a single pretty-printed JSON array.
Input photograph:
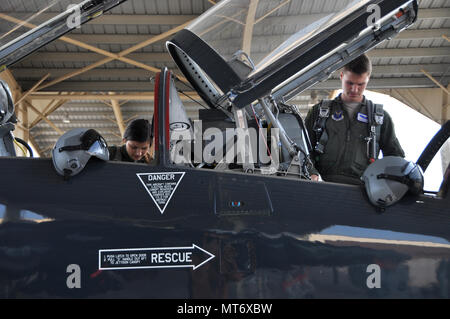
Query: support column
[
  {"x": 445, "y": 105},
  {"x": 24, "y": 118},
  {"x": 118, "y": 114},
  {"x": 445, "y": 150}
]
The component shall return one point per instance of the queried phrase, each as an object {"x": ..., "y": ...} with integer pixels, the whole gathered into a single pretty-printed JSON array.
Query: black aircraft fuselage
[{"x": 283, "y": 239}]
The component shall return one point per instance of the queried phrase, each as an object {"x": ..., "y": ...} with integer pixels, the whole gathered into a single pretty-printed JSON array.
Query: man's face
[
  {"x": 136, "y": 150},
  {"x": 353, "y": 86}
]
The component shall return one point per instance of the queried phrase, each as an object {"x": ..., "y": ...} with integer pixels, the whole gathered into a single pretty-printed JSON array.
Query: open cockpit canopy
[
  {"x": 23, "y": 33},
  {"x": 228, "y": 52}
]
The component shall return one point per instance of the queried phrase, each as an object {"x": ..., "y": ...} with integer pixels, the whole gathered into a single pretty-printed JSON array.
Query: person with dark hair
[
  {"x": 137, "y": 140},
  {"x": 347, "y": 133}
]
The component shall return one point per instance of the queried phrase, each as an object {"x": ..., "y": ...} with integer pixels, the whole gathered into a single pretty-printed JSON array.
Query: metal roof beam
[
  {"x": 29, "y": 73},
  {"x": 121, "y": 86},
  {"x": 420, "y": 34},
  {"x": 386, "y": 83},
  {"x": 165, "y": 57},
  {"x": 401, "y": 69},
  {"x": 258, "y": 40},
  {"x": 168, "y": 19},
  {"x": 121, "y": 56},
  {"x": 140, "y": 96},
  {"x": 52, "y": 106},
  {"x": 409, "y": 53},
  {"x": 115, "y": 19},
  {"x": 93, "y": 57},
  {"x": 180, "y": 19},
  {"x": 435, "y": 81},
  {"x": 434, "y": 13},
  {"x": 143, "y": 19},
  {"x": 66, "y": 39},
  {"x": 42, "y": 116}
]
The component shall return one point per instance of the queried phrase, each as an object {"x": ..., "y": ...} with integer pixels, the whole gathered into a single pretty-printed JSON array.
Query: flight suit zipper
[{"x": 346, "y": 149}]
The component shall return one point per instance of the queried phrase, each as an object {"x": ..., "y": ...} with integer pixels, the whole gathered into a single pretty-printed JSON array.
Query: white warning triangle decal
[{"x": 161, "y": 186}]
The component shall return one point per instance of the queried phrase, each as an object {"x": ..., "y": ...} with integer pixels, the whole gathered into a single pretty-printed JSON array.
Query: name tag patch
[{"x": 363, "y": 118}]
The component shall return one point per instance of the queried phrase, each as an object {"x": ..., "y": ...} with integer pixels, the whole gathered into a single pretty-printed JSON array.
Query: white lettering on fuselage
[
  {"x": 161, "y": 177},
  {"x": 173, "y": 257}
]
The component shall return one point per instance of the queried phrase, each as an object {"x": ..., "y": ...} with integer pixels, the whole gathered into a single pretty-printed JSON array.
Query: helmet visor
[
  {"x": 415, "y": 177},
  {"x": 99, "y": 149}
]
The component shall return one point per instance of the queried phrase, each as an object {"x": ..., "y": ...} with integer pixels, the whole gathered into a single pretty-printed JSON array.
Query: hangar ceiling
[{"x": 100, "y": 75}]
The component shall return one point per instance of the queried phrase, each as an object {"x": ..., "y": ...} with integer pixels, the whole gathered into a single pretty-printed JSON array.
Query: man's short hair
[{"x": 360, "y": 65}]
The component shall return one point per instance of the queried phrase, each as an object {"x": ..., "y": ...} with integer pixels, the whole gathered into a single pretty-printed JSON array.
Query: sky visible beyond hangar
[{"x": 414, "y": 131}]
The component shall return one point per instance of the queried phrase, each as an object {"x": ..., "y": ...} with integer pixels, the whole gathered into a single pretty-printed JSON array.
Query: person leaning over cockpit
[
  {"x": 137, "y": 140},
  {"x": 340, "y": 130}
]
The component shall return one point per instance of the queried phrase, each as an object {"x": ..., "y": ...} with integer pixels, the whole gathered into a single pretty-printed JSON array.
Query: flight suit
[{"x": 345, "y": 157}]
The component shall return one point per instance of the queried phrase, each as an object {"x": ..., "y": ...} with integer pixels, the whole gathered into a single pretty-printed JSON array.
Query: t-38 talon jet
[{"x": 227, "y": 208}]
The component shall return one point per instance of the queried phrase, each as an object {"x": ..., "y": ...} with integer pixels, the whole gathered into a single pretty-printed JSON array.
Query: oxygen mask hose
[{"x": 18, "y": 140}]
